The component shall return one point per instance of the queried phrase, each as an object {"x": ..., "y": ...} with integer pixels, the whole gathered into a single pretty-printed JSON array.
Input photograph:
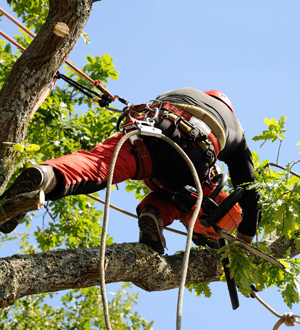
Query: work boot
[
  {"x": 33, "y": 178},
  {"x": 151, "y": 228}
]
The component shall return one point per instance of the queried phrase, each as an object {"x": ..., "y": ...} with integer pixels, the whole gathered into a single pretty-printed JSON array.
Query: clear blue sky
[{"x": 247, "y": 49}]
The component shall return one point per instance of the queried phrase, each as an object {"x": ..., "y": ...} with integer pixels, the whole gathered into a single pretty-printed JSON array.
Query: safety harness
[{"x": 197, "y": 125}]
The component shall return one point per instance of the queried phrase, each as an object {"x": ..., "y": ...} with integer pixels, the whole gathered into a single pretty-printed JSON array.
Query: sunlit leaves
[
  {"x": 75, "y": 223},
  {"x": 275, "y": 130},
  {"x": 200, "y": 289},
  {"x": 33, "y": 13},
  {"x": 7, "y": 60},
  {"x": 79, "y": 309},
  {"x": 138, "y": 187},
  {"x": 241, "y": 267}
]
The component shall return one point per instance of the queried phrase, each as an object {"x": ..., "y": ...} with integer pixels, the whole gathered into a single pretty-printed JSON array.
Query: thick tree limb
[
  {"x": 22, "y": 275},
  {"x": 26, "y": 202}
]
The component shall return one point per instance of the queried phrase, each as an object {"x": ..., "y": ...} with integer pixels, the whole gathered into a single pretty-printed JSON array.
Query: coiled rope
[{"x": 105, "y": 222}]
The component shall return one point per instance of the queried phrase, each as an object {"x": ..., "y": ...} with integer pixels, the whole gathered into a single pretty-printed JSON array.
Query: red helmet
[{"x": 222, "y": 97}]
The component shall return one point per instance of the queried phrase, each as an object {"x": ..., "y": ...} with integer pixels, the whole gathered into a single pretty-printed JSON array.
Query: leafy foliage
[
  {"x": 275, "y": 131},
  {"x": 280, "y": 206},
  {"x": 80, "y": 309}
]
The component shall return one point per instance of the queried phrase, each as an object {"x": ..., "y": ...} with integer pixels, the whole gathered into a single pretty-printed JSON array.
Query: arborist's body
[{"x": 157, "y": 163}]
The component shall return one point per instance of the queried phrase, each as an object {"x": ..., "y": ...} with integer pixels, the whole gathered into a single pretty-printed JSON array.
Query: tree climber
[{"x": 202, "y": 123}]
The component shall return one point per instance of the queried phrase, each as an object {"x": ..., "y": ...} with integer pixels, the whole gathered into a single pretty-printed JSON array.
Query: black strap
[{"x": 104, "y": 99}]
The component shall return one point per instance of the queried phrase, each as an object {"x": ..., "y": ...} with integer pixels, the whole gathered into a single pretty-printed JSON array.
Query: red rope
[{"x": 12, "y": 40}]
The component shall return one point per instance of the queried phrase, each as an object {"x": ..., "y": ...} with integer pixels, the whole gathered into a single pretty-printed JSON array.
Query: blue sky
[{"x": 247, "y": 49}]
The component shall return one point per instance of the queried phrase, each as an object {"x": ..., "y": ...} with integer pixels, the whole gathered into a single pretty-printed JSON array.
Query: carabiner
[{"x": 155, "y": 110}]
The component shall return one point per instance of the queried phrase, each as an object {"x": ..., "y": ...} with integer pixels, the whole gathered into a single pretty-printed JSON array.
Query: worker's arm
[{"x": 241, "y": 169}]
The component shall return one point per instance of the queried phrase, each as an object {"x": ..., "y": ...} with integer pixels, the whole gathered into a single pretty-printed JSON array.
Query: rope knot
[{"x": 289, "y": 319}]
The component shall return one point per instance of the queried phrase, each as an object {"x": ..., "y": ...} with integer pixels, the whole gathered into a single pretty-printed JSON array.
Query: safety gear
[
  {"x": 151, "y": 228},
  {"x": 193, "y": 122},
  {"x": 37, "y": 177},
  {"x": 198, "y": 126},
  {"x": 222, "y": 97},
  {"x": 228, "y": 223}
]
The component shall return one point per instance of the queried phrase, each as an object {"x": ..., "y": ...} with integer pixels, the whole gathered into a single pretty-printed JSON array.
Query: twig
[{"x": 283, "y": 168}]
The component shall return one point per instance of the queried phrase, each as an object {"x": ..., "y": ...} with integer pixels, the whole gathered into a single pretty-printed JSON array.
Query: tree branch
[
  {"x": 278, "y": 246},
  {"x": 30, "y": 201},
  {"x": 283, "y": 168},
  {"x": 23, "y": 275}
]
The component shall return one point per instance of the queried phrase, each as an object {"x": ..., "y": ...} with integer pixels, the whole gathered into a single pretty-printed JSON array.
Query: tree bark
[
  {"x": 32, "y": 72},
  {"x": 23, "y": 275},
  {"x": 30, "y": 201}
]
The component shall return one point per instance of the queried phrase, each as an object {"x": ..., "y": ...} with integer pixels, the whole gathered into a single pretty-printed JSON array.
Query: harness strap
[
  {"x": 143, "y": 159},
  {"x": 201, "y": 127},
  {"x": 213, "y": 129},
  {"x": 140, "y": 151},
  {"x": 192, "y": 110}
]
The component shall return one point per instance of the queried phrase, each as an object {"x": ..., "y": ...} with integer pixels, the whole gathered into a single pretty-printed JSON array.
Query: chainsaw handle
[
  {"x": 219, "y": 187},
  {"x": 230, "y": 281}
]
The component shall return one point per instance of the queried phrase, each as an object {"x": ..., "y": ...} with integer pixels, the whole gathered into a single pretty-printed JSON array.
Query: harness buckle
[{"x": 147, "y": 128}]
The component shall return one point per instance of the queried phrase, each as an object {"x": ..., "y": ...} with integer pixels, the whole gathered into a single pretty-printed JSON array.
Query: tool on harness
[
  {"x": 195, "y": 129},
  {"x": 144, "y": 123}
]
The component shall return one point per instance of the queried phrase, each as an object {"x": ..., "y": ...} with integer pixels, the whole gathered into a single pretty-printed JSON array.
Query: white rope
[
  {"x": 104, "y": 226},
  {"x": 105, "y": 221},
  {"x": 190, "y": 229}
]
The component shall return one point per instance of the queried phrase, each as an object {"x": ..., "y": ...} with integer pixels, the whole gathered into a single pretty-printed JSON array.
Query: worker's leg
[
  {"x": 85, "y": 172},
  {"x": 79, "y": 173},
  {"x": 155, "y": 212}
]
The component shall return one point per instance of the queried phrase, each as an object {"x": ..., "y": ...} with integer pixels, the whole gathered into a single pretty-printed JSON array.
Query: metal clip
[
  {"x": 147, "y": 128},
  {"x": 155, "y": 110},
  {"x": 122, "y": 100}
]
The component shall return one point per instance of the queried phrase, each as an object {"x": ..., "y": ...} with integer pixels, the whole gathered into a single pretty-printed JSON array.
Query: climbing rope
[
  {"x": 105, "y": 222},
  {"x": 289, "y": 319}
]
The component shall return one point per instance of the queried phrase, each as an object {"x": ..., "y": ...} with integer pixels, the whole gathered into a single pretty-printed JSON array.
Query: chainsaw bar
[{"x": 249, "y": 247}]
